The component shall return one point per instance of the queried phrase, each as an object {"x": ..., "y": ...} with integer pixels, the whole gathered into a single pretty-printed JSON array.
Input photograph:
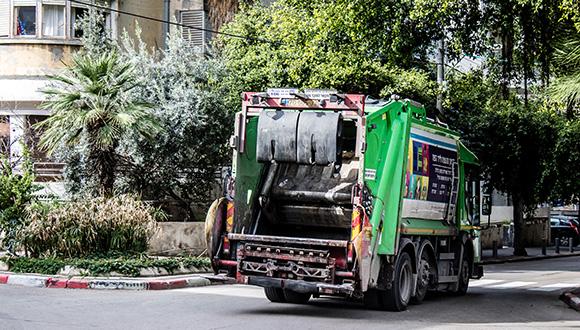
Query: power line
[{"x": 173, "y": 23}]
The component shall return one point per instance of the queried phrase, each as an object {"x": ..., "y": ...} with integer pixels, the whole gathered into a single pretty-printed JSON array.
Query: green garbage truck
[{"x": 343, "y": 195}]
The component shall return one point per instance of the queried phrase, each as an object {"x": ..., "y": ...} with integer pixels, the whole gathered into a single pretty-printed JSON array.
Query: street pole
[{"x": 440, "y": 74}]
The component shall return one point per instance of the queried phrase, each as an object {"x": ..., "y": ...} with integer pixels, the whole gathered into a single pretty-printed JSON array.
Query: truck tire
[
  {"x": 424, "y": 275},
  {"x": 397, "y": 298},
  {"x": 275, "y": 295},
  {"x": 294, "y": 297},
  {"x": 464, "y": 275}
]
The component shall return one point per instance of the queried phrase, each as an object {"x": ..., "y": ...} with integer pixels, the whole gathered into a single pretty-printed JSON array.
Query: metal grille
[{"x": 194, "y": 37}]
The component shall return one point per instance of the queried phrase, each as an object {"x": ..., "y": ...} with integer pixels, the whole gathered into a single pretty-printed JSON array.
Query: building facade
[{"x": 37, "y": 39}]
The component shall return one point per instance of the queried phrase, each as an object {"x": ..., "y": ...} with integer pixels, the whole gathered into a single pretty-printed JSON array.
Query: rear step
[{"x": 290, "y": 240}]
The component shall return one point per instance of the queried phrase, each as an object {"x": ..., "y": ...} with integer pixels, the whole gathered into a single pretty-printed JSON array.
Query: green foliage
[
  {"x": 566, "y": 87},
  {"x": 92, "y": 111},
  {"x": 129, "y": 265},
  {"x": 188, "y": 101},
  {"x": 517, "y": 147},
  {"x": 567, "y": 158},
  {"x": 571, "y": 10},
  {"x": 89, "y": 226},
  {"x": 16, "y": 192},
  {"x": 515, "y": 143},
  {"x": 353, "y": 46}
]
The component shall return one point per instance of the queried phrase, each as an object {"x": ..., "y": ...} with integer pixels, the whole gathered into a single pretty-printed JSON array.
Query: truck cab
[{"x": 337, "y": 194}]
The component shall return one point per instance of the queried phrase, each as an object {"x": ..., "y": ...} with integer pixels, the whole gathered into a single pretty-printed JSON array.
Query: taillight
[{"x": 229, "y": 225}]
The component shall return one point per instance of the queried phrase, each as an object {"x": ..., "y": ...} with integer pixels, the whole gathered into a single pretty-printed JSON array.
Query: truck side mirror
[{"x": 486, "y": 205}]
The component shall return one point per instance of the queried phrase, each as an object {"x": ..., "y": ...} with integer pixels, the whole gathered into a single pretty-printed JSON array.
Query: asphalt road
[{"x": 518, "y": 295}]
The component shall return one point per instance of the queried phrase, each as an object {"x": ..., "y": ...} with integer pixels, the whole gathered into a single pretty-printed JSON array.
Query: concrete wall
[
  {"x": 491, "y": 234},
  {"x": 175, "y": 238},
  {"x": 151, "y": 31},
  {"x": 178, "y": 5},
  {"x": 33, "y": 58},
  {"x": 536, "y": 232}
]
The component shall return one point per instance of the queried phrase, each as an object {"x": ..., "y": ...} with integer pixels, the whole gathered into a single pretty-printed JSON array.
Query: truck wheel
[
  {"x": 464, "y": 275},
  {"x": 275, "y": 295},
  {"x": 294, "y": 297},
  {"x": 397, "y": 298},
  {"x": 424, "y": 270}
]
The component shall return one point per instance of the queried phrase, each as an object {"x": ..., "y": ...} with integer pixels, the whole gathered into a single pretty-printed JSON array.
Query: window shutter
[
  {"x": 54, "y": 2},
  {"x": 24, "y": 2},
  {"x": 193, "y": 19},
  {"x": 4, "y": 18}
]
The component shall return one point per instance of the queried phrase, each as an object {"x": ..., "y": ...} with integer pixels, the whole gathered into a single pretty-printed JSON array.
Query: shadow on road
[{"x": 480, "y": 306}]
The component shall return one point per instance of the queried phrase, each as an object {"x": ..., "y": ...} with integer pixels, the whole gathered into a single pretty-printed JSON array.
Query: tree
[
  {"x": 91, "y": 105},
  {"x": 567, "y": 158},
  {"x": 566, "y": 90},
  {"x": 517, "y": 148},
  {"x": 515, "y": 143},
  {"x": 189, "y": 102}
]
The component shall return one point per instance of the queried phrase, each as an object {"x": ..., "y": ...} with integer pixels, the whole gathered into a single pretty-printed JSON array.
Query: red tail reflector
[
  {"x": 354, "y": 231},
  {"x": 229, "y": 225}
]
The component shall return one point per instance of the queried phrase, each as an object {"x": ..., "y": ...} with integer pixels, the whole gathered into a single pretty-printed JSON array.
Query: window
[
  {"x": 45, "y": 19},
  {"x": 76, "y": 18},
  {"x": 53, "y": 21},
  {"x": 472, "y": 192},
  {"x": 25, "y": 20},
  {"x": 32, "y": 137}
]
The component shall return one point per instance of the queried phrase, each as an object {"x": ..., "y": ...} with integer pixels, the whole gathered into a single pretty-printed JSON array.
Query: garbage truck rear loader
[{"x": 334, "y": 194}]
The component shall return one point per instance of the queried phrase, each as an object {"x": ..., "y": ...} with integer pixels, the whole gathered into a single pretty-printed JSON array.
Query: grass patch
[{"x": 99, "y": 265}]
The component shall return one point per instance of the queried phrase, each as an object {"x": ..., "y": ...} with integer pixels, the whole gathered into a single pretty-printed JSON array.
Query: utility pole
[{"x": 440, "y": 74}]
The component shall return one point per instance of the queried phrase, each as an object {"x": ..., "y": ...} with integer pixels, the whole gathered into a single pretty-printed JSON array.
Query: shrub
[
  {"x": 16, "y": 192},
  {"x": 89, "y": 226},
  {"x": 129, "y": 265}
]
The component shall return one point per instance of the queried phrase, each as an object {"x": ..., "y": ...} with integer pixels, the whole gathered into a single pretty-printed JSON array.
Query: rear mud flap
[{"x": 214, "y": 228}]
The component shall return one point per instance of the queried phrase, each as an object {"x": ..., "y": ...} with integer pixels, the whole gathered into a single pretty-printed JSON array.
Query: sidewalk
[{"x": 506, "y": 254}]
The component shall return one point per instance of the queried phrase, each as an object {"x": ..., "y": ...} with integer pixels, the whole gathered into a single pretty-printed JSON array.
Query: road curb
[
  {"x": 55, "y": 282},
  {"x": 531, "y": 258},
  {"x": 572, "y": 299}
]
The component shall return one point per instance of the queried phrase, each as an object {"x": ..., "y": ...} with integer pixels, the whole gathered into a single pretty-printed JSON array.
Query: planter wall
[{"x": 178, "y": 238}]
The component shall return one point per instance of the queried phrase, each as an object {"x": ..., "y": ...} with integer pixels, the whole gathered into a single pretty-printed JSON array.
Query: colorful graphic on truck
[{"x": 429, "y": 167}]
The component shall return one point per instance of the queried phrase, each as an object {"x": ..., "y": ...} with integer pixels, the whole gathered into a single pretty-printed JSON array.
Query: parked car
[{"x": 567, "y": 229}]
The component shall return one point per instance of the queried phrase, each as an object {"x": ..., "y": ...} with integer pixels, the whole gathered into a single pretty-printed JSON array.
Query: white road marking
[
  {"x": 555, "y": 286},
  {"x": 483, "y": 282},
  {"x": 510, "y": 285},
  {"x": 245, "y": 291}
]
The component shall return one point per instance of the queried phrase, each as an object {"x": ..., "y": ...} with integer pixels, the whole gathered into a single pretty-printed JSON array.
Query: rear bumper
[{"x": 299, "y": 286}]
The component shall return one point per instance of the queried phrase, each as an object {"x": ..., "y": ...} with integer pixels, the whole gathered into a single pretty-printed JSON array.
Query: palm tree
[
  {"x": 91, "y": 102},
  {"x": 566, "y": 88}
]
